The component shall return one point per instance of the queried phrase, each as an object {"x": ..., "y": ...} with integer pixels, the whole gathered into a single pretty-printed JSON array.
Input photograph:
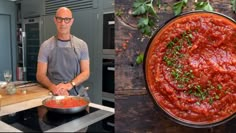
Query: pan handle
[{"x": 81, "y": 93}]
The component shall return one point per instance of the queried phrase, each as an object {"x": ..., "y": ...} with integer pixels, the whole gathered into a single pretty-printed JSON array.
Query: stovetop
[
  {"x": 56, "y": 119},
  {"x": 29, "y": 118}
]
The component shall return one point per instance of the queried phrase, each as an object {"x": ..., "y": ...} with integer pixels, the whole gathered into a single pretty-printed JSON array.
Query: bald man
[{"x": 63, "y": 59}]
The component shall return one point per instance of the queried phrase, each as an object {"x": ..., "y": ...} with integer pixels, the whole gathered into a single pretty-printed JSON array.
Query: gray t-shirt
[{"x": 48, "y": 45}]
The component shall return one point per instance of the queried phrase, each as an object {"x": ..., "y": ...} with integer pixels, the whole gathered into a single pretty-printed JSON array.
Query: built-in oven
[
  {"x": 108, "y": 91},
  {"x": 108, "y": 123},
  {"x": 108, "y": 76},
  {"x": 108, "y": 33},
  {"x": 108, "y": 66}
]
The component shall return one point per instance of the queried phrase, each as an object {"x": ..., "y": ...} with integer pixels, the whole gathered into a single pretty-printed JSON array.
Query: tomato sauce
[
  {"x": 191, "y": 68},
  {"x": 66, "y": 103}
]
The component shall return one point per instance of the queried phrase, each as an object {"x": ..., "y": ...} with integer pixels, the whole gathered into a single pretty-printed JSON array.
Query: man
[{"x": 63, "y": 59}]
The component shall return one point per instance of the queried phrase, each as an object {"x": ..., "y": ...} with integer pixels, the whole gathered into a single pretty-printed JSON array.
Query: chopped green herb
[
  {"x": 170, "y": 44},
  {"x": 197, "y": 94},
  {"x": 211, "y": 100},
  {"x": 175, "y": 40},
  {"x": 190, "y": 35},
  {"x": 219, "y": 86},
  {"x": 198, "y": 103},
  {"x": 178, "y": 48},
  {"x": 180, "y": 86},
  {"x": 168, "y": 61},
  {"x": 198, "y": 87},
  {"x": 171, "y": 58},
  {"x": 188, "y": 40},
  {"x": 190, "y": 86},
  {"x": 175, "y": 74},
  {"x": 217, "y": 97},
  {"x": 186, "y": 80},
  {"x": 189, "y": 74},
  {"x": 212, "y": 87},
  {"x": 190, "y": 91},
  {"x": 203, "y": 97},
  {"x": 179, "y": 66}
]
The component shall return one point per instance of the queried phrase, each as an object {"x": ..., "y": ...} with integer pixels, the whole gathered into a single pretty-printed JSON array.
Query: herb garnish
[
  {"x": 181, "y": 74},
  {"x": 172, "y": 56}
]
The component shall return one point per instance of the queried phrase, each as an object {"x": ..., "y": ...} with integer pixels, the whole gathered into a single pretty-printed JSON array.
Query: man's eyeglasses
[{"x": 60, "y": 19}]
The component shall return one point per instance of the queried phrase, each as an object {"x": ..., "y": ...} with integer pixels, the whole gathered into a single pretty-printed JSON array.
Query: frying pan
[
  {"x": 70, "y": 110},
  {"x": 150, "y": 48}
]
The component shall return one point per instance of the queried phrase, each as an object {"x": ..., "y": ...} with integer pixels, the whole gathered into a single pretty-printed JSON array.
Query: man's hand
[{"x": 62, "y": 89}]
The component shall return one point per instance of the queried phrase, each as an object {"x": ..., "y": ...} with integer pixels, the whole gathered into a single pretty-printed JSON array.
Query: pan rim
[{"x": 67, "y": 110}]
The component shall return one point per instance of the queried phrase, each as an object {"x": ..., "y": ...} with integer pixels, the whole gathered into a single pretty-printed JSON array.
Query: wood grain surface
[
  {"x": 135, "y": 111},
  {"x": 32, "y": 93}
]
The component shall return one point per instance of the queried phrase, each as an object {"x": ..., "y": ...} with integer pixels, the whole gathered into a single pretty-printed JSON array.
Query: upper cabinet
[
  {"x": 52, "y": 5},
  {"x": 108, "y": 4},
  {"x": 32, "y": 8}
]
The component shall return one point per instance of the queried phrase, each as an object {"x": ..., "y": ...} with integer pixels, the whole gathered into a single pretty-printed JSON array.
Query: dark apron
[{"x": 63, "y": 66}]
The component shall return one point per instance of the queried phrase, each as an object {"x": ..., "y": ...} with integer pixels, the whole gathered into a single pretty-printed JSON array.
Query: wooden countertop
[
  {"x": 32, "y": 93},
  {"x": 20, "y": 101}
]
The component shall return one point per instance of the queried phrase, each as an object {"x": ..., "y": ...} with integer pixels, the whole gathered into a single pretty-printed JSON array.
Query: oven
[
  {"x": 108, "y": 91},
  {"x": 108, "y": 76},
  {"x": 108, "y": 33},
  {"x": 108, "y": 68},
  {"x": 108, "y": 123}
]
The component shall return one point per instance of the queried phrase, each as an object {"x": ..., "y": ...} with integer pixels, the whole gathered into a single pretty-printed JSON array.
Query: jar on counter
[{"x": 11, "y": 88}]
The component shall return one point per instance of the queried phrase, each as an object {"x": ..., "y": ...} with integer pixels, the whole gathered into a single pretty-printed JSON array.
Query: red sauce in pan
[
  {"x": 66, "y": 103},
  {"x": 191, "y": 68}
]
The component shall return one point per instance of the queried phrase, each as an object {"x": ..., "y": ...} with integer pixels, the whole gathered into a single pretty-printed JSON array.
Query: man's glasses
[{"x": 60, "y": 19}]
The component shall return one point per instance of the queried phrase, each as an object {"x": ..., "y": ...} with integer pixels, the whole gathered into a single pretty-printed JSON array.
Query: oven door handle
[{"x": 111, "y": 68}]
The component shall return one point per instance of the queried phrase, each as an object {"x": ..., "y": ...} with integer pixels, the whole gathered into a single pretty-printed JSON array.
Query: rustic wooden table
[{"x": 135, "y": 111}]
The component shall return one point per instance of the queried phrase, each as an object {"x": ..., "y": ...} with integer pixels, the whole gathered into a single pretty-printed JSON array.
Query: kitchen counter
[
  {"x": 29, "y": 100},
  {"x": 20, "y": 101}
]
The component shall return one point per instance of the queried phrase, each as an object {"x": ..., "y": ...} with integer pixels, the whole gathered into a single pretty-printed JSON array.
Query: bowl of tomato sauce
[
  {"x": 190, "y": 68},
  {"x": 66, "y": 104}
]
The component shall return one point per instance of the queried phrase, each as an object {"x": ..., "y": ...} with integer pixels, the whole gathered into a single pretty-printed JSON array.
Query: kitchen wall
[{"x": 7, "y": 37}]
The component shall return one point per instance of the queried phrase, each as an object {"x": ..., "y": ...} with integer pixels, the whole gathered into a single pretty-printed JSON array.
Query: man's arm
[
  {"x": 84, "y": 74},
  {"x": 42, "y": 78}
]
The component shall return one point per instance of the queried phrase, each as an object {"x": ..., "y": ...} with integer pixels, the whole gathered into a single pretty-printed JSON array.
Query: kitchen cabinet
[
  {"x": 108, "y": 5},
  {"x": 6, "y": 48},
  {"x": 7, "y": 38},
  {"x": 32, "y": 8}
]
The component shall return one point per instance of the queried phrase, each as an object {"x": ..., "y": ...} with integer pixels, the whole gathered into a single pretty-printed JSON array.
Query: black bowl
[{"x": 148, "y": 51}]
